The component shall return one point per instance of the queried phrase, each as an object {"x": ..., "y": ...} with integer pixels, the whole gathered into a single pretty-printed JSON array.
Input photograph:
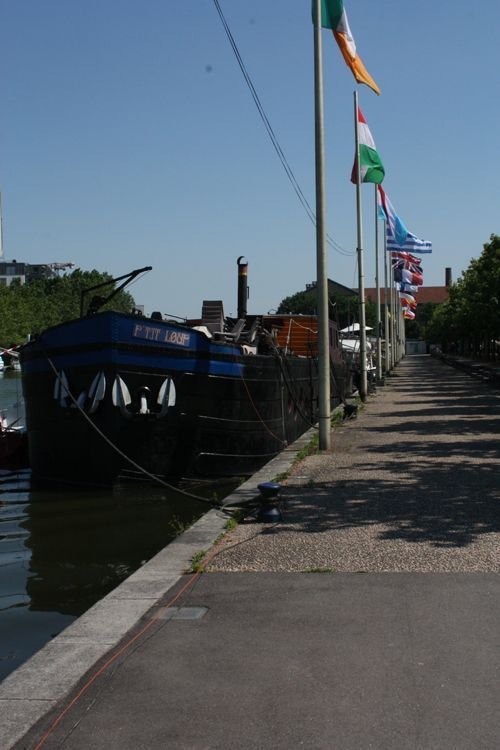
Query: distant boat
[
  {"x": 354, "y": 328},
  {"x": 9, "y": 359},
  {"x": 209, "y": 397},
  {"x": 351, "y": 344},
  {"x": 13, "y": 437}
]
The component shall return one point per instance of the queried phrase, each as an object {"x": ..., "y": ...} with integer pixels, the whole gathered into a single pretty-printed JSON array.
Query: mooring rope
[
  {"x": 118, "y": 450},
  {"x": 261, "y": 420}
]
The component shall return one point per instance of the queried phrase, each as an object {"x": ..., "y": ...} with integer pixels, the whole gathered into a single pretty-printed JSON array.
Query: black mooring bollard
[{"x": 268, "y": 511}]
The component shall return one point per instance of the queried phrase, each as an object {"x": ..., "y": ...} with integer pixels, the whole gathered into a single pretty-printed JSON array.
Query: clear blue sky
[{"x": 128, "y": 137}]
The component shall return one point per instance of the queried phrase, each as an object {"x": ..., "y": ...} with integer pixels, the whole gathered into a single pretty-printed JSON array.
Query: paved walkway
[
  {"x": 404, "y": 656},
  {"x": 413, "y": 484}
]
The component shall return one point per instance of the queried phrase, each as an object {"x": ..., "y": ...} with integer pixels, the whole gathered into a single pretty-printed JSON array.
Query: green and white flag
[{"x": 372, "y": 169}]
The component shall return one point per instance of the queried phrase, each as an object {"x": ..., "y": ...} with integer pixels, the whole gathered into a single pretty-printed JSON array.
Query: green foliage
[
  {"x": 417, "y": 329},
  {"x": 370, "y": 313},
  {"x": 30, "y": 308},
  {"x": 197, "y": 561},
  {"x": 469, "y": 321},
  {"x": 234, "y": 521},
  {"x": 310, "y": 449},
  {"x": 343, "y": 309},
  {"x": 300, "y": 303}
]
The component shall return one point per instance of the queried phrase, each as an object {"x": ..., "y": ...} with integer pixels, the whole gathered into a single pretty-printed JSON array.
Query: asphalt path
[
  {"x": 394, "y": 645},
  {"x": 287, "y": 660}
]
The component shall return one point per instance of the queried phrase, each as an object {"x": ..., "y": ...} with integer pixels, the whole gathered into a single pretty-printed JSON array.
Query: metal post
[
  {"x": 402, "y": 333},
  {"x": 377, "y": 285},
  {"x": 1, "y": 227},
  {"x": 387, "y": 334},
  {"x": 322, "y": 274},
  {"x": 391, "y": 294},
  {"x": 363, "y": 385},
  {"x": 393, "y": 320}
]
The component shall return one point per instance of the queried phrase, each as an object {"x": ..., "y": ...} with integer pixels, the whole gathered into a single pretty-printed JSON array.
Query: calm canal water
[{"x": 60, "y": 552}]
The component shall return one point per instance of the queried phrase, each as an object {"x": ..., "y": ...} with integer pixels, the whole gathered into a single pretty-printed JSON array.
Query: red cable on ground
[{"x": 123, "y": 649}]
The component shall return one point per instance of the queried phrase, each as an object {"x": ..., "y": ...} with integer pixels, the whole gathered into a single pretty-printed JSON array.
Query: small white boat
[
  {"x": 13, "y": 437},
  {"x": 350, "y": 347},
  {"x": 9, "y": 359},
  {"x": 354, "y": 328}
]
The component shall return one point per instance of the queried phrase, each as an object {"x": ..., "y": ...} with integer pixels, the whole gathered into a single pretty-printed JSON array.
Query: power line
[{"x": 274, "y": 140}]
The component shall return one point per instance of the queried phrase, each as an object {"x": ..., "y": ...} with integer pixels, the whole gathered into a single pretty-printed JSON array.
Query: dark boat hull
[
  {"x": 114, "y": 392},
  {"x": 13, "y": 449}
]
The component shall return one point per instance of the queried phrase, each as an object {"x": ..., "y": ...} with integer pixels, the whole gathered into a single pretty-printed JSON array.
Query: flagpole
[
  {"x": 403, "y": 336},
  {"x": 1, "y": 227},
  {"x": 396, "y": 344},
  {"x": 401, "y": 333},
  {"x": 389, "y": 293},
  {"x": 397, "y": 302},
  {"x": 363, "y": 385},
  {"x": 393, "y": 318},
  {"x": 321, "y": 265},
  {"x": 377, "y": 284},
  {"x": 400, "y": 326},
  {"x": 400, "y": 319},
  {"x": 386, "y": 306}
]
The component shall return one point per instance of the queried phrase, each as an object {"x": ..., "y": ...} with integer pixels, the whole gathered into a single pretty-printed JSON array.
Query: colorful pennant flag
[
  {"x": 413, "y": 267},
  {"x": 407, "y": 299},
  {"x": 407, "y": 257},
  {"x": 407, "y": 277},
  {"x": 372, "y": 169},
  {"x": 408, "y": 314},
  {"x": 411, "y": 288},
  {"x": 334, "y": 17}
]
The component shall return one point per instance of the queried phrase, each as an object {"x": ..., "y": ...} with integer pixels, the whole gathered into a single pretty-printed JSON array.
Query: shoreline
[{"x": 35, "y": 687}]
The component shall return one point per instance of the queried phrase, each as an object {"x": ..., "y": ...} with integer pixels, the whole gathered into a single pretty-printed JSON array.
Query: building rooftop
[{"x": 434, "y": 294}]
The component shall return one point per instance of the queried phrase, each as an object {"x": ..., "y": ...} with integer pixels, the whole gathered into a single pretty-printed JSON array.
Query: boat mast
[{"x": 322, "y": 274}]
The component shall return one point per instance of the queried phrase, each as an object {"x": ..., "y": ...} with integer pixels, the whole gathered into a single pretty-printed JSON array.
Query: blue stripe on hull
[{"x": 142, "y": 360}]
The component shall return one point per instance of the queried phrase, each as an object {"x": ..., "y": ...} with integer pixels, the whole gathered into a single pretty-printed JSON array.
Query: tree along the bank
[
  {"x": 469, "y": 321},
  {"x": 30, "y": 308},
  {"x": 341, "y": 308},
  {"x": 417, "y": 329}
]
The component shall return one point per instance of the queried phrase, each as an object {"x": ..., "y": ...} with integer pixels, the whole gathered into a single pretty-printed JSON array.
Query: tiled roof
[{"x": 435, "y": 294}]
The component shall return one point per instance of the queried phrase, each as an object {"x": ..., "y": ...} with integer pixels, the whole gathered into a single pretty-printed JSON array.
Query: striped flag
[
  {"x": 400, "y": 263},
  {"x": 372, "y": 169},
  {"x": 334, "y": 17},
  {"x": 407, "y": 300},
  {"x": 398, "y": 237},
  {"x": 395, "y": 227},
  {"x": 411, "y": 288},
  {"x": 407, "y": 277},
  {"x": 415, "y": 245},
  {"x": 407, "y": 257}
]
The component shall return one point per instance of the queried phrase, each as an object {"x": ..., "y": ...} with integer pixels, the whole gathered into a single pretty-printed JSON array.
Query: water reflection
[{"x": 61, "y": 552}]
